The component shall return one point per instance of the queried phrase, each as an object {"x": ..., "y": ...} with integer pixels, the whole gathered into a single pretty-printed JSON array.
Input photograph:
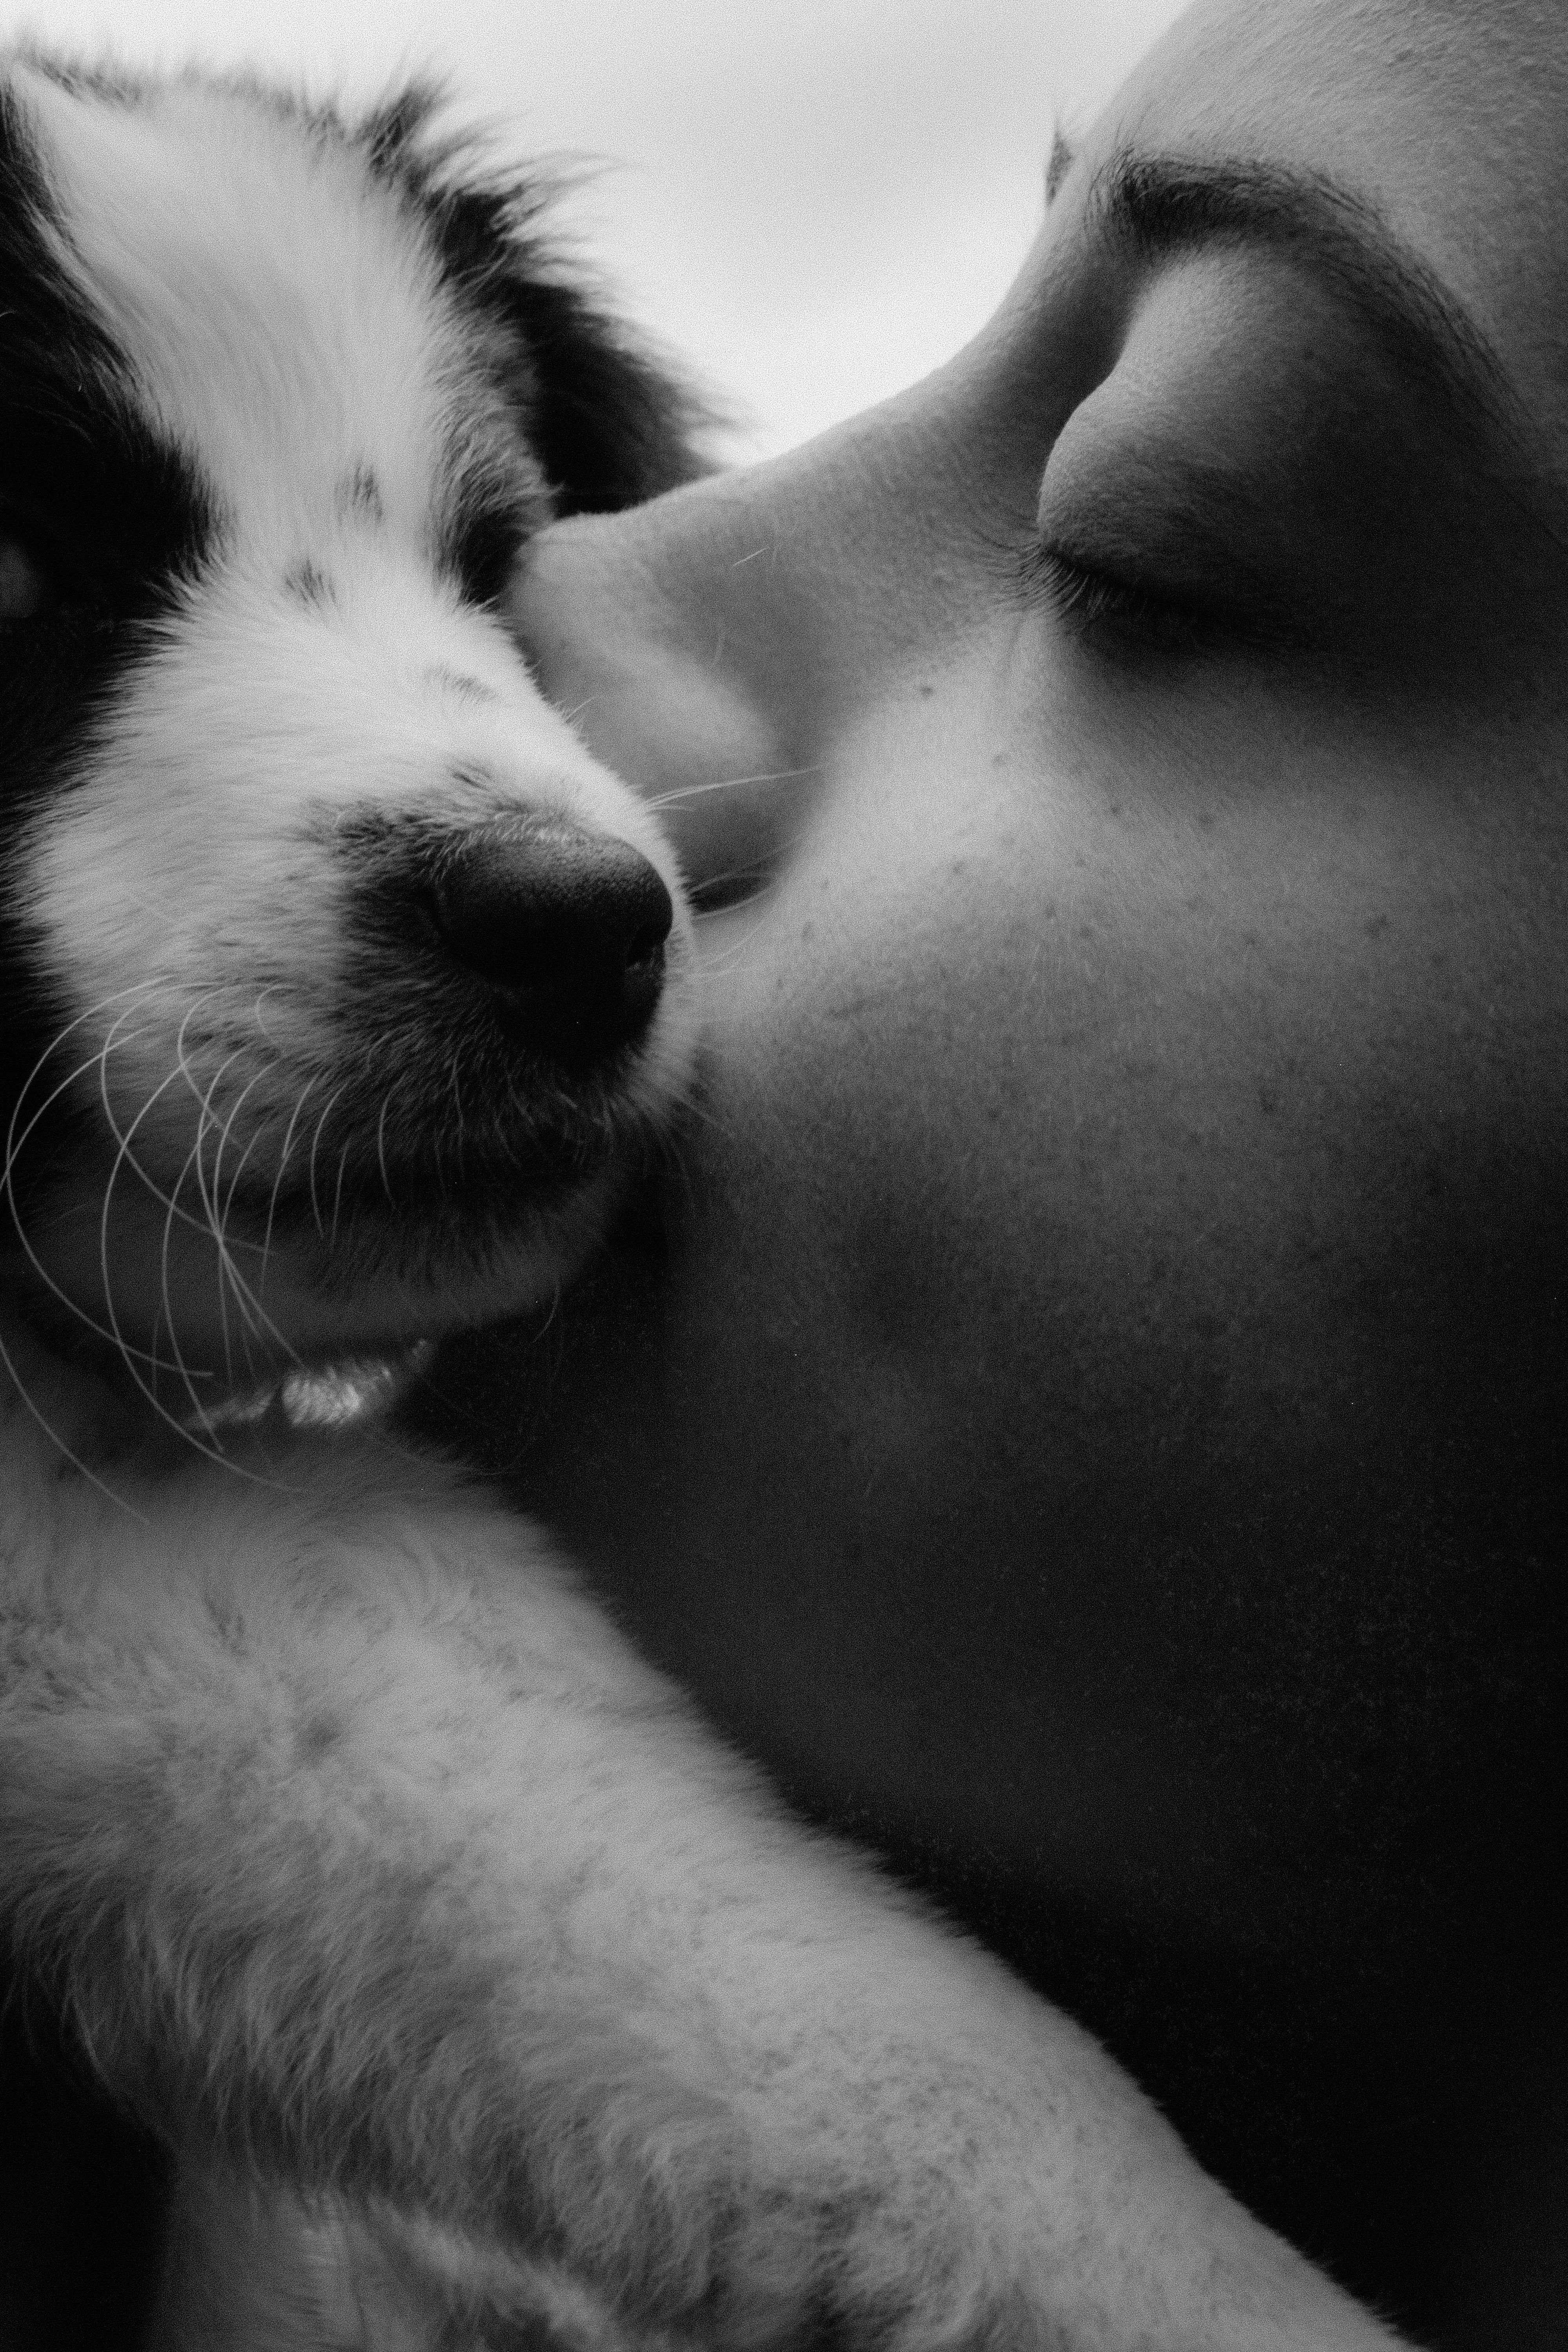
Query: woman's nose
[
  {"x": 710, "y": 643},
  {"x": 643, "y": 626}
]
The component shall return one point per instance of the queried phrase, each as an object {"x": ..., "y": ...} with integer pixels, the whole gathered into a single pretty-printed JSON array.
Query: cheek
[{"x": 1141, "y": 1108}]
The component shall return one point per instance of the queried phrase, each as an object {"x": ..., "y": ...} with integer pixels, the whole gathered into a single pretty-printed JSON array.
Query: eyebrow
[{"x": 1162, "y": 206}]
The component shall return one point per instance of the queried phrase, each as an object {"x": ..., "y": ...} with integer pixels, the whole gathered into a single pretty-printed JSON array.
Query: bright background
[{"x": 813, "y": 202}]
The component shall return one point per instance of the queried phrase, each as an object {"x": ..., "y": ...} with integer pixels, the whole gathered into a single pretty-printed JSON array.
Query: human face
[{"x": 1096, "y": 1409}]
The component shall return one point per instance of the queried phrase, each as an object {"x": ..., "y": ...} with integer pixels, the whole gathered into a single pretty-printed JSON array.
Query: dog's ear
[{"x": 611, "y": 425}]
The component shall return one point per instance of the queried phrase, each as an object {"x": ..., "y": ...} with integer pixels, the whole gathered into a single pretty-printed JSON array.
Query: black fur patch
[
  {"x": 610, "y": 427},
  {"x": 493, "y": 514},
  {"x": 115, "y": 520}
]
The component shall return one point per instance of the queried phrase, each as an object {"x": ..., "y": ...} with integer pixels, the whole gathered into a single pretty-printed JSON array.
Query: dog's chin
[
  {"x": 399, "y": 1278},
  {"x": 194, "y": 1327}
]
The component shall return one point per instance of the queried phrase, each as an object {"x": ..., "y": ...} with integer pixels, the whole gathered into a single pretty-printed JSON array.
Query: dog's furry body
[{"x": 478, "y": 1989}]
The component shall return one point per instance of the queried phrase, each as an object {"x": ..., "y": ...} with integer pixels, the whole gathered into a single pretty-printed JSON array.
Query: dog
[{"x": 482, "y": 1997}]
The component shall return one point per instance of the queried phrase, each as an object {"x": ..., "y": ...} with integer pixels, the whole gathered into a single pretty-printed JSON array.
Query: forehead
[{"x": 273, "y": 302}]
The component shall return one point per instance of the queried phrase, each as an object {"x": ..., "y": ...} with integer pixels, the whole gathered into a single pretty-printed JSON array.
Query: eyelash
[{"x": 1088, "y": 601}]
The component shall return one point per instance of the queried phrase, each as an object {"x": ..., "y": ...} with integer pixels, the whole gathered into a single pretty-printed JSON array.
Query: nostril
[
  {"x": 648, "y": 942},
  {"x": 567, "y": 927}
]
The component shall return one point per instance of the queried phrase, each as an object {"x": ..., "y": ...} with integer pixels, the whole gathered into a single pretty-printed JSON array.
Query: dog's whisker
[
  {"x": 208, "y": 1123},
  {"x": 206, "y": 1119},
  {"x": 763, "y": 884},
  {"x": 125, "y": 1157},
  {"x": 697, "y": 1112},
  {"x": 338, "y": 1196},
  {"x": 288, "y": 1134},
  {"x": 241, "y": 1100},
  {"x": 121, "y": 1157},
  {"x": 246, "y": 1299},
  {"x": 226, "y": 1270},
  {"x": 202, "y": 996},
  {"x": 123, "y": 1138},
  {"x": 147, "y": 1388},
  {"x": 458, "y": 1104},
  {"x": 724, "y": 966},
  {"x": 682, "y": 793},
  {"x": 315, "y": 1144},
  {"x": 381, "y": 1144},
  {"x": 185, "y": 1375},
  {"x": 260, "y": 1020},
  {"x": 246, "y": 1329},
  {"x": 202, "y": 1094},
  {"x": 14, "y": 1143},
  {"x": 74, "y": 1306},
  {"x": 15, "y": 1149},
  {"x": 230, "y": 1281}
]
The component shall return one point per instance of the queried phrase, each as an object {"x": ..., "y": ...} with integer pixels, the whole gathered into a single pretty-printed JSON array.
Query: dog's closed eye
[
  {"x": 24, "y": 588},
  {"x": 46, "y": 575}
]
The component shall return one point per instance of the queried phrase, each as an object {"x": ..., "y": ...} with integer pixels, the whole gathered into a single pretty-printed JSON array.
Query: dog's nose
[{"x": 567, "y": 927}]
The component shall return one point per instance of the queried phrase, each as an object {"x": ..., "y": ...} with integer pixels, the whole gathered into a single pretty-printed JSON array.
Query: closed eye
[
  {"x": 1090, "y": 602},
  {"x": 100, "y": 524},
  {"x": 1107, "y": 607},
  {"x": 25, "y": 589},
  {"x": 44, "y": 582}
]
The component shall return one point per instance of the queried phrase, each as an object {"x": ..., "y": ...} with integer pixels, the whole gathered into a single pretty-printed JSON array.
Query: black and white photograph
[{"x": 783, "y": 1269}]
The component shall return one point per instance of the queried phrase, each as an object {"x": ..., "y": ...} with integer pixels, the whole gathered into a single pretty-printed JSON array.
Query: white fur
[
  {"x": 282, "y": 353},
  {"x": 480, "y": 1990},
  {"x": 366, "y": 1848}
]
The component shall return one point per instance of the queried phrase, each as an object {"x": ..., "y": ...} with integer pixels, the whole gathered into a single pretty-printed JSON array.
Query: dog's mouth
[
  {"x": 409, "y": 1120},
  {"x": 410, "y": 1161},
  {"x": 351, "y": 1172},
  {"x": 416, "y": 1107}
]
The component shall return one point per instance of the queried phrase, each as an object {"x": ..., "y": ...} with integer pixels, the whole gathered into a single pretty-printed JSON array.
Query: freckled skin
[{"x": 1096, "y": 1427}]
